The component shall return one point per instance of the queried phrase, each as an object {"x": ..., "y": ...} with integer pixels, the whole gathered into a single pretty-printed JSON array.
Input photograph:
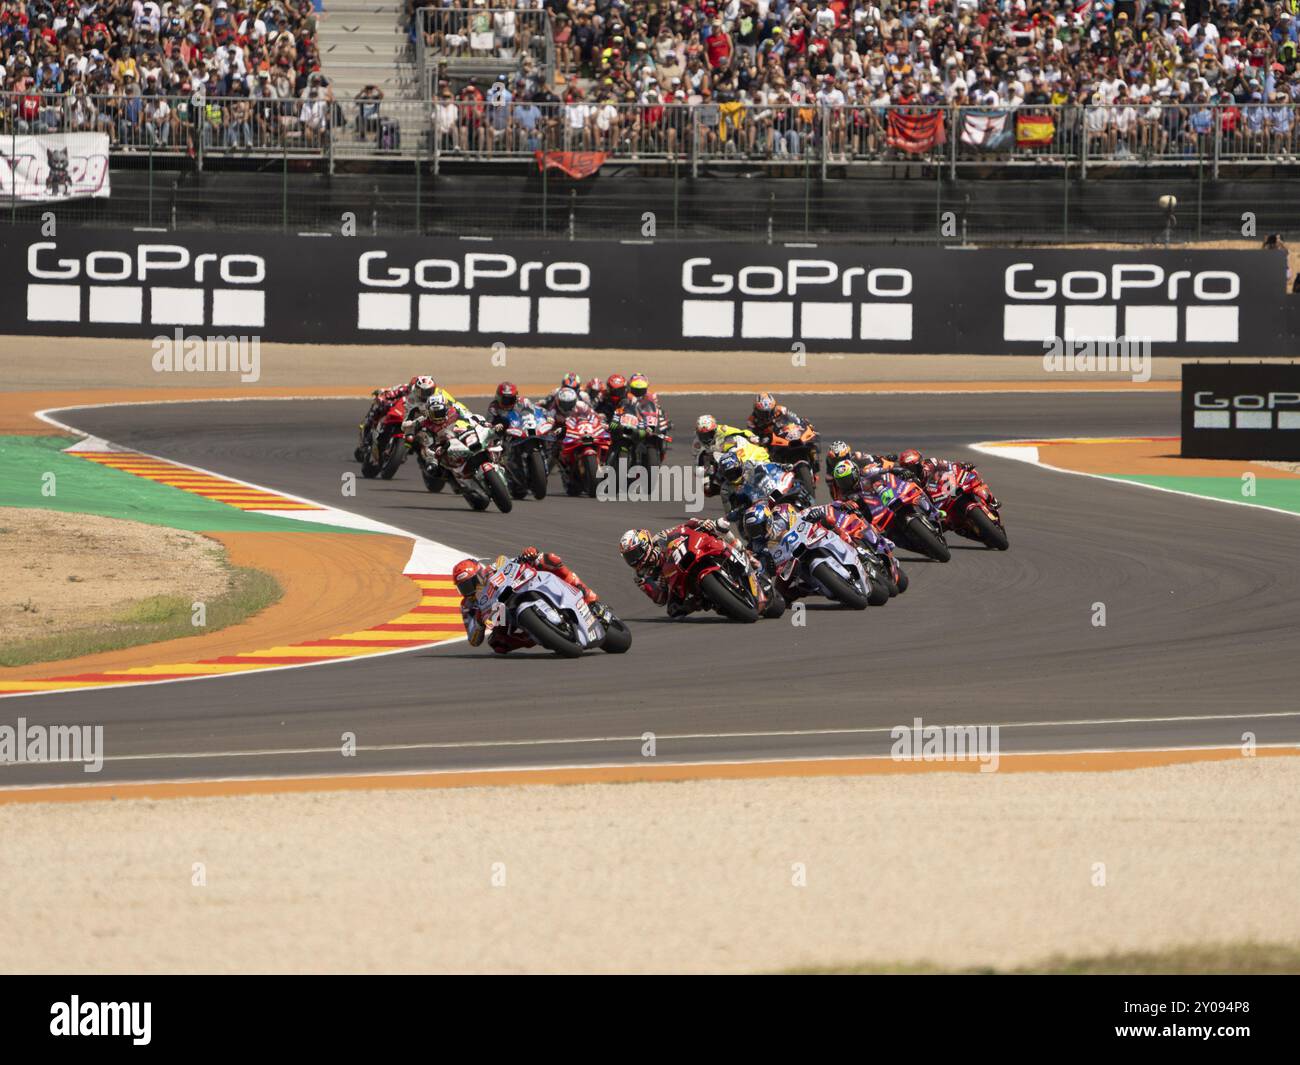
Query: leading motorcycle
[{"x": 536, "y": 604}]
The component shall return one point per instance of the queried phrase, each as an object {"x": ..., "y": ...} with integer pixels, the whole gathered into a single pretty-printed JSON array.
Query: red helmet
[
  {"x": 764, "y": 408},
  {"x": 616, "y": 386},
  {"x": 507, "y": 394},
  {"x": 910, "y": 459},
  {"x": 469, "y": 576}
]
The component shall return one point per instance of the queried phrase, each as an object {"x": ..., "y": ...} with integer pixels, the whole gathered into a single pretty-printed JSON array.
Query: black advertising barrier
[
  {"x": 1241, "y": 411},
  {"x": 711, "y": 297}
]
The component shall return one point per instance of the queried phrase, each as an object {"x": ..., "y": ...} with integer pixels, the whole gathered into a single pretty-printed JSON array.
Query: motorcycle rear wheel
[
  {"x": 727, "y": 600},
  {"x": 924, "y": 540},
  {"x": 552, "y": 637},
  {"x": 988, "y": 533},
  {"x": 618, "y": 638}
]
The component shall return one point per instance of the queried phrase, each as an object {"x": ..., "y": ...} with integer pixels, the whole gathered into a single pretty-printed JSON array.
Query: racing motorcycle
[
  {"x": 583, "y": 450},
  {"x": 875, "y": 552},
  {"x": 471, "y": 461},
  {"x": 969, "y": 508},
  {"x": 701, "y": 567},
  {"x": 812, "y": 559},
  {"x": 638, "y": 435},
  {"x": 770, "y": 482},
  {"x": 902, "y": 511},
  {"x": 794, "y": 444},
  {"x": 385, "y": 449},
  {"x": 530, "y": 602},
  {"x": 526, "y": 434}
]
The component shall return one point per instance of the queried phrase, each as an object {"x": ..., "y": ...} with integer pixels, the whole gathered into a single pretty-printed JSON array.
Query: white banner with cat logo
[{"x": 48, "y": 167}]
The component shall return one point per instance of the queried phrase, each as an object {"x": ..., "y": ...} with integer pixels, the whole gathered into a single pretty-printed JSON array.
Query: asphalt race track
[{"x": 1201, "y": 602}]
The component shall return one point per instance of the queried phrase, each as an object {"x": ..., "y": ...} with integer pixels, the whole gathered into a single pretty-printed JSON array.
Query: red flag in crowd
[
  {"x": 575, "y": 164},
  {"x": 915, "y": 133}
]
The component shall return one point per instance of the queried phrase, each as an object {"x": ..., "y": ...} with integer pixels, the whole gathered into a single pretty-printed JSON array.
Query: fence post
[
  {"x": 151, "y": 181},
  {"x": 284, "y": 184},
  {"x": 695, "y": 143},
  {"x": 573, "y": 207},
  {"x": 826, "y": 146},
  {"x": 955, "y": 122},
  {"x": 419, "y": 228},
  {"x": 1218, "y": 137}
]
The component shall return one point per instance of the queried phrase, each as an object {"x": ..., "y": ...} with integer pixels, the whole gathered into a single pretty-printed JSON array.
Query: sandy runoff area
[{"x": 705, "y": 876}]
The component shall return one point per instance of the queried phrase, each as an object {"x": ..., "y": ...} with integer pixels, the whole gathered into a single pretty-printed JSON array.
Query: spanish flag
[{"x": 1033, "y": 131}]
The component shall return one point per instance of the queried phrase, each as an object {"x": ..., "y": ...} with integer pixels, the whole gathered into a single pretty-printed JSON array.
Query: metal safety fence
[{"x": 498, "y": 127}]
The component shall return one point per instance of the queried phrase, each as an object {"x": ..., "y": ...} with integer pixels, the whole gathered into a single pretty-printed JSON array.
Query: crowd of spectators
[
  {"x": 235, "y": 73},
  {"x": 776, "y": 77}
]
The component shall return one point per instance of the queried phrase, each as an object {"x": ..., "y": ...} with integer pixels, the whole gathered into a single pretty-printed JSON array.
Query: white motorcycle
[
  {"x": 531, "y": 602},
  {"x": 811, "y": 559},
  {"x": 471, "y": 461}
]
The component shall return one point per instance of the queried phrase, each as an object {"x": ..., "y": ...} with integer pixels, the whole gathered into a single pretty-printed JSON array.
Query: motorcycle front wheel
[
  {"x": 537, "y": 474},
  {"x": 986, "y": 531},
  {"x": 728, "y": 601},
  {"x": 499, "y": 490},
  {"x": 557, "y": 638},
  {"x": 926, "y": 541}
]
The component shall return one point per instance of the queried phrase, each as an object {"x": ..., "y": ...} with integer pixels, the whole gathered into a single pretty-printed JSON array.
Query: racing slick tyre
[
  {"x": 775, "y": 605},
  {"x": 902, "y": 581},
  {"x": 726, "y": 599},
  {"x": 433, "y": 478},
  {"x": 557, "y": 638},
  {"x": 924, "y": 540},
  {"x": 618, "y": 637},
  {"x": 369, "y": 469},
  {"x": 537, "y": 475},
  {"x": 475, "y": 498},
  {"x": 989, "y": 533},
  {"x": 393, "y": 455},
  {"x": 841, "y": 590},
  {"x": 499, "y": 490},
  {"x": 590, "y": 466},
  {"x": 805, "y": 474},
  {"x": 880, "y": 593}
]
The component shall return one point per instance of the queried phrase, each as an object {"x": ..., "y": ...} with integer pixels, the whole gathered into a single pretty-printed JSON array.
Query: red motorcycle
[
  {"x": 386, "y": 449},
  {"x": 704, "y": 568},
  {"x": 583, "y": 450},
  {"x": 970, "y": 509}
]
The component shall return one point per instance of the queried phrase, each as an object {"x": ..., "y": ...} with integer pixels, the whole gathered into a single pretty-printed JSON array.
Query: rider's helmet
[
  {"x": 592, "y": 387},
  {"x": 422, "y": 390},
  {"x": 507, "y": 395},
  {"x": 571, "y": 380},
  {"x": 912, "y": 461},
  {"x": 637, "y": 547},
  {"x": 616, "y": 387},
  {"x": 566, "y": 400},
  {"x": 706, "y": 429},
  {"x": 846, "y": 474},
  {"x": 638, "y": 384},
  {"x": 469, "y": 576},
  {"x": 730, "y": 468},
  {"x": 764, "y": 408},
  {"x": 438, "y": 412},
  {"x": 757, "y": 521},
  {"x": 836, "y": 453}
]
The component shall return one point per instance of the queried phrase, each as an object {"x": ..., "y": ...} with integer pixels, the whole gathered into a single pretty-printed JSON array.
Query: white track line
[
  {"x": 47, "y": 416},
  {"x": 584, "y": 766},
  {"x": 461, "y": 745},
  {"x": 1018, "y": 451}
]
